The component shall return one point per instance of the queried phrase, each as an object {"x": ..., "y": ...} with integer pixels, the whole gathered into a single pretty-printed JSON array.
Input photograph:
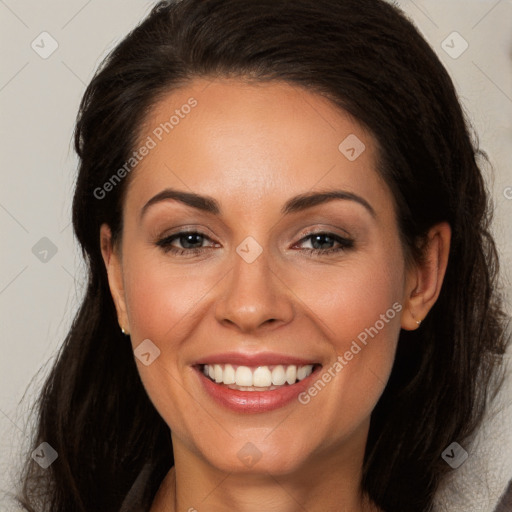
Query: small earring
[
  {"x": 124, "y": 332},
  {"x": 418, "y": 322}
]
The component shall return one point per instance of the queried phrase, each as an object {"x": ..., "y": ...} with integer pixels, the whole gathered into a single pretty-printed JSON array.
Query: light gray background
[{"x": 39, "y": 100}]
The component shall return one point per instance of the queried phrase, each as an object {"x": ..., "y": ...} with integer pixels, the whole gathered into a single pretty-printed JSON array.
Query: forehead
[{"x": 254, "y": 141}]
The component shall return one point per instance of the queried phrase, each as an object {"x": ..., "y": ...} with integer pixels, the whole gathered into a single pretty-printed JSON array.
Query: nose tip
[
  {"x": 253, "y": 298},
  {"x": 248, "y": 322}
]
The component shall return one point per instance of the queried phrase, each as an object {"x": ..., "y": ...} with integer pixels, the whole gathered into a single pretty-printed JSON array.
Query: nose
[{"x": 254, "y": 297}]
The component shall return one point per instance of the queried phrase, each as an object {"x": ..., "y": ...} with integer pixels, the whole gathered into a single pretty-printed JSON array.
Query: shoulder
[{"x": 483, "y": 481}]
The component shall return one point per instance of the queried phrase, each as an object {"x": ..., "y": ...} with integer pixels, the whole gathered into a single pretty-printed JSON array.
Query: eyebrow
[{"x": 293, "y": 205}]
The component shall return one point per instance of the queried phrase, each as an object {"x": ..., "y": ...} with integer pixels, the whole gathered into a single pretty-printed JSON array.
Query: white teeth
[
  {"x": 278, "y": 376},
  {"x": 228, "y": 375},
  {"x": 262, "y": 377},
  {"x": 217, "y": 370},
  {"x": 246, "y": 378},
  {"x": 291, "y": 374},
  {"x": 304, "y": 371},
  {"x": 243, "y": 376}
]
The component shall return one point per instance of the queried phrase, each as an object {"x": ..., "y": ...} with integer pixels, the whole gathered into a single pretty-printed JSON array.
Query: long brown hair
[{"x": 369, "y": 60}]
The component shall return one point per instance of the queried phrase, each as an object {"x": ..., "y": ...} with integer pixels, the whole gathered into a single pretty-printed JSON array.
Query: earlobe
[
  {"x": 425, "y": 279},
  {"x": 113, "y": 266}
]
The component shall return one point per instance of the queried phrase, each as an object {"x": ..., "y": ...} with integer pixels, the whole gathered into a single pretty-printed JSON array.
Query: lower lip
[{"x": 254, "y": 401}]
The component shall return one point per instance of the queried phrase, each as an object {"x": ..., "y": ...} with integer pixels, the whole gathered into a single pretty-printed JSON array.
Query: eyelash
[{"x": 345, "y": 244}]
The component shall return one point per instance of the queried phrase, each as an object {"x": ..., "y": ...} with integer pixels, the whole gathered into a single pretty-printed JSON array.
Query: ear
[
  {"x": 425, "y": 278},
  {"x": 113, "y": 264}
]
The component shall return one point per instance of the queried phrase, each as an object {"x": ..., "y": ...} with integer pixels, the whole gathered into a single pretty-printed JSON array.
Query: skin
[{"x": 252, "y": 147}]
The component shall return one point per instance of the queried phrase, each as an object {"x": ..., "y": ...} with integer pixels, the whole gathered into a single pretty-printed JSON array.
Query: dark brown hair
[{"x": 369, "y": 60}]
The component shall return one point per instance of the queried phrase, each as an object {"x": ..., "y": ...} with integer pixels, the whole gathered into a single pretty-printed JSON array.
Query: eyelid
[
  {"x": 344, "y": 244},
  {"x": 204, "y": 231},
  {"x": 184, "y": 228},
  {"x": 339, "y": 234},
  {"x": 324, "y": 229},
  {"x": 177, "y": 234}
]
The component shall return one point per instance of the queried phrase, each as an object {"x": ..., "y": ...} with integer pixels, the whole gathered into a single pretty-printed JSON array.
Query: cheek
[
  {"x": 350, "y": 297},
  {"x": 164, "y": 304},
  {"x": 358, "y": 306},
  {"x": 160, "y": 298}
]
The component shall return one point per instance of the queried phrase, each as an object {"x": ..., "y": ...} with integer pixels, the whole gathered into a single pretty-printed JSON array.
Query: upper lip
[{"x": 256, "y": 359}]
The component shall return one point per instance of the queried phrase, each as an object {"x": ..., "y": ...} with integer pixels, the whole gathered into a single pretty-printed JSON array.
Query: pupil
[
  {"x": 189, "y": 240},
  {"x": 320, "y": 237}
]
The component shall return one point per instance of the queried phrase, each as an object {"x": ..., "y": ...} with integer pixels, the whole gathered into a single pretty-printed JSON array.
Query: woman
[{"x": 291, "y": 298}]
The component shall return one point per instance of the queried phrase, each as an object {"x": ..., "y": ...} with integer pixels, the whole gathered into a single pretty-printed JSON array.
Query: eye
[
  {"x": 191, "y": 242},
  {"x": 326, "y": 243}
]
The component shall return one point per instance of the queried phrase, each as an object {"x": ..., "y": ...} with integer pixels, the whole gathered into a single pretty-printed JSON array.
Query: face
[{"x": 260, "y": 246}]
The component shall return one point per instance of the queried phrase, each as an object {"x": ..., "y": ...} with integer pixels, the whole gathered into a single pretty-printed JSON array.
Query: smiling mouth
[{"x": 257, "y": 378}]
